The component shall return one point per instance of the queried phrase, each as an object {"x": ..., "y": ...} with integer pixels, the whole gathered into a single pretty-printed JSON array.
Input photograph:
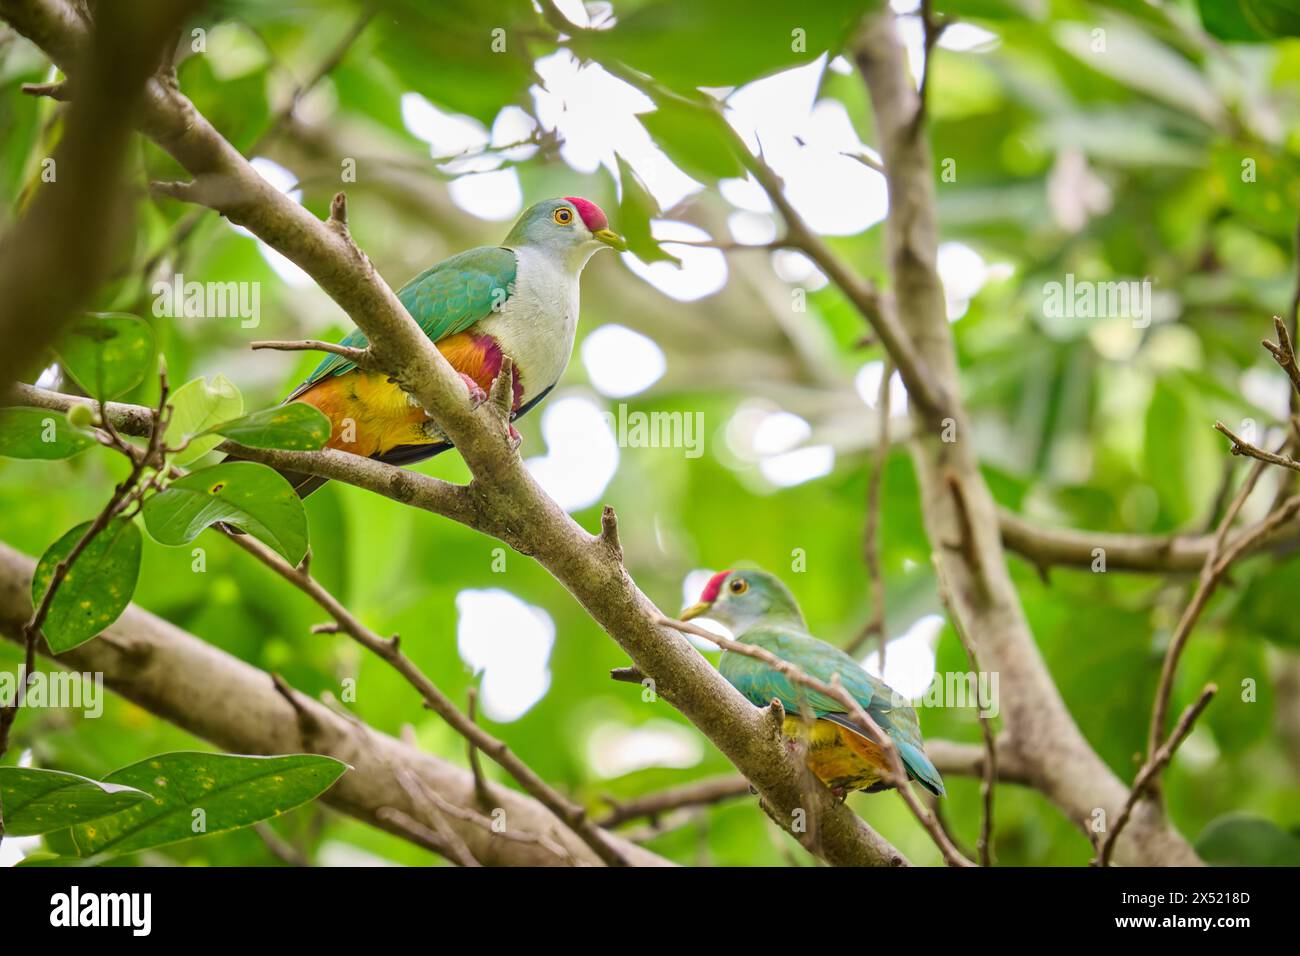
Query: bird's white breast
[{"x": 537, "y": 324}]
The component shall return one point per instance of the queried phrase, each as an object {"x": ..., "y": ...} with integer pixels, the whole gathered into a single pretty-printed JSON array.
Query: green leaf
[
  {"x": 195, "y": 794},
  {"x": 39, "y": 433},
  {"x": 723, "y": 42},
  {"x": 250, "y": 496},
  {"x": 293, "y": 427},
  {"x": 107, "y": 353},
  {"x": 692, "y": 140},
  {"x": 38, "y": 801},
  {"x": 635, "y": 210},
  {"x": 1238, "y": 839},
  {"x": 1273, "y": 18},
  {"x": 197, "y": 407},
  {"x": 473, "y": 75},
  {"x": 97, "y": 587}
]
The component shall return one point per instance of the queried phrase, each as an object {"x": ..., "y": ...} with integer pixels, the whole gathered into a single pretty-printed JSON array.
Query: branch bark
[{"x": 1151, "y": 554}]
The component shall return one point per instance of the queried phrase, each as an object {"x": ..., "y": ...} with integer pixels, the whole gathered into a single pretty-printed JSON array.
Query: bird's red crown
[
  {"x": 710, "y": 592},
  {"x": 592, "y": 215}
]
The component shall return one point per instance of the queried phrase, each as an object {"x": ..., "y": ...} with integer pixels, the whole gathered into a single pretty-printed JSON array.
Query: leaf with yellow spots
[
  {"x": 293, "y": 427},
  {"x": 97, "y": 587},
  {"x": 245, "y": 494},
  {"x": 194, "y": 794},
  {"x": 39, "y": 801}
]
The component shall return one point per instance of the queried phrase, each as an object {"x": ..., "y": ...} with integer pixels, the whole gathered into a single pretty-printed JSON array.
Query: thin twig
[
  {"x": 129, "y": 491},
  {"x": 417, "y": 832},
  {"x": 1211, "y": 572},
  {"x": 1152, "y": 769},
  {"x": 481, "y": 790},
  {"x": 654, "y": 805},
  {"x": 358, "y": 357},
  {"x": 1242, "y": 447}
]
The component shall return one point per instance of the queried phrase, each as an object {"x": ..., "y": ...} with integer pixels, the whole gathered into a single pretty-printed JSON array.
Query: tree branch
[{"x": 1152, "y": 554}]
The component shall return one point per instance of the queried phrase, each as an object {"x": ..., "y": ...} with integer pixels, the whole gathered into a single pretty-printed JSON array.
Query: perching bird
[
  {"x": 760, "y": 610},
  {"x": 518, "y": 299}
]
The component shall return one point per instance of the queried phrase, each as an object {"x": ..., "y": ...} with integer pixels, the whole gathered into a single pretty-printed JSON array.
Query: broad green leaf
[
  {"x": 195, "y": 794},
  {"x": 1272, "y": 18},
  {"x": 107, "y": 353},
  {"x": 1238, "y": 839},
  {"x": 635, "y": 210},
  {"x": 97, "y": 587},
  {"x": 692, "y": 140},
  {"x": 478, "y": 68},
  {"x": 1267, "y": 608},
  {"x": 197, "y": 407},
  {"x": 39, "y": 433},
  {"x": 723, "y": 42},
  {"x": 37, "y": 801},
  {"x": 293, "y": 427},
  {"x": 250, "y": 496},
  {"x": 1229, "y": 21}
]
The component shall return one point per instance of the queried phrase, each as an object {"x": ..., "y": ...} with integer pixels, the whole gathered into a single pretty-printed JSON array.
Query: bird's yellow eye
[
  {"x": 563, "y": 216},
  {"x": 738, "y": 586}
]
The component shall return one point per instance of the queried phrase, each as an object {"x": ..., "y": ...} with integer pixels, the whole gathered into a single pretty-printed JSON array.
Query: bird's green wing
[
  {"x": 761, "y": 683},
  {"x": 445, "y": 299}
]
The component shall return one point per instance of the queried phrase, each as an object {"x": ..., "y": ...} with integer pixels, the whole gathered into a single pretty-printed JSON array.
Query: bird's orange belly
[
  {"x": 371, "y": 415},
  {"x": 840, "y": 758},
  {"x": 368, "y": 414}
]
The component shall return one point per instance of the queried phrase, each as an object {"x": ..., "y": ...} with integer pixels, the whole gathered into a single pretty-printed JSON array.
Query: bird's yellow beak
[
  {"x": 696, "y": 610},
  {"x": 612, "y": 239}
]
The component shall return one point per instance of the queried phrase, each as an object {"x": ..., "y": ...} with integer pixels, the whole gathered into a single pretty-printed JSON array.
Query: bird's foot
[
  {"x": 476, "y": 394},
  {"x": 840, "y": 793},
  {"x": 516, "y": 439}
]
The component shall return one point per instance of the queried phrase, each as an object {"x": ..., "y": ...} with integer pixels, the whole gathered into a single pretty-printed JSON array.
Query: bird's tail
[{"x": 920, "y": 767}]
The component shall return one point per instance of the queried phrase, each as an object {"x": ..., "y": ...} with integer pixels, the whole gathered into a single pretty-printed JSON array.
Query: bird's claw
[
  {"x": 516, "y": 439},
  {"x": 476, "y": 394}
]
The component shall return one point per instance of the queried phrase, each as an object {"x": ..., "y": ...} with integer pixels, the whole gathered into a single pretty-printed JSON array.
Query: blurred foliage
[{"x": 1171, "y": 154}]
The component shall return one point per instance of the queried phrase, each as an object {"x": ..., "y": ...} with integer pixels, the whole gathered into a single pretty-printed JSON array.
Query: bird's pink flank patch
[
  {"x": 710, "y": 592},
  {"x": 591, "y": 214}
]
